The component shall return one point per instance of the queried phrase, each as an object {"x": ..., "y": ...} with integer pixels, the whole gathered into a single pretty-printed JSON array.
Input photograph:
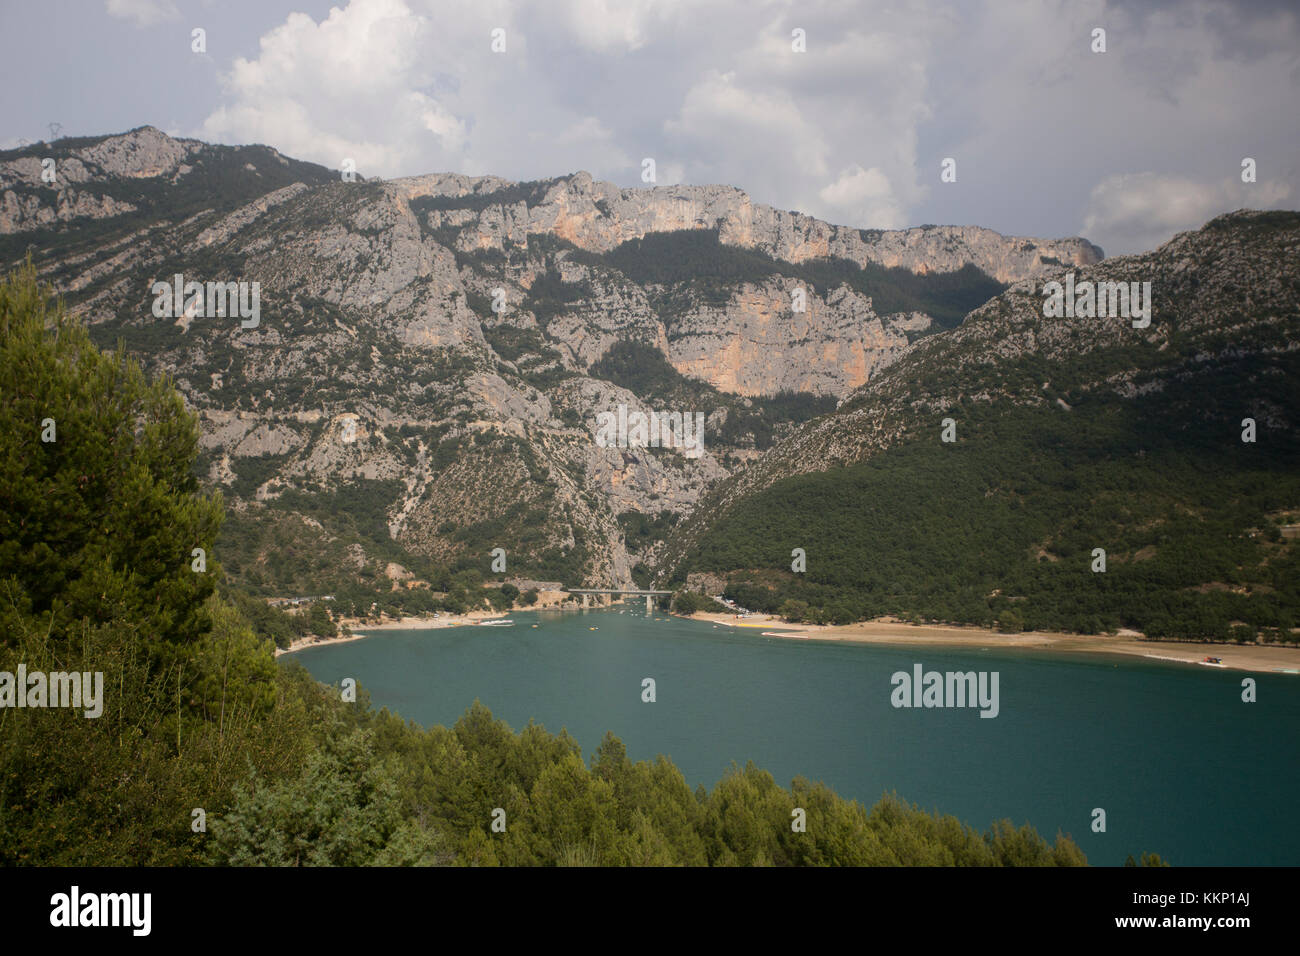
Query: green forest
[
  {"x": 999, "y": 527},
  {"x": 210, "y": 752}
]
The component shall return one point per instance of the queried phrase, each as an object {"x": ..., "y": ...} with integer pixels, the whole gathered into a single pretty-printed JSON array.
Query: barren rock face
[
  {"x": 599, "y": 216},
  {"x": 142, "y": 153},
  {"x": 119, "y": 174},
  {"x": 18, "y": 212},
  {"x": 756, "y": 345}
]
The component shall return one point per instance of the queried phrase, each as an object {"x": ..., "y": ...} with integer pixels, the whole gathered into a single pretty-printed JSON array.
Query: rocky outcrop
[
  {"x": 106, "y": 177},
  {"x": 756, "y": 345},
  {"x": 143, "y": 153},
  {"x": 599, "y": 216},
  {"x": 21, "y": 211}
]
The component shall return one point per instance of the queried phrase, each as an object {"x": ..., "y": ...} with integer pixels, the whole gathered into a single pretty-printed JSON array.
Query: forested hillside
[{"x": 1172, "y": 448}]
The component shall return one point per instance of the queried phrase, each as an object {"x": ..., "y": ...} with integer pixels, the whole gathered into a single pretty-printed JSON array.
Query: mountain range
[{"x": 432, "y": 354}]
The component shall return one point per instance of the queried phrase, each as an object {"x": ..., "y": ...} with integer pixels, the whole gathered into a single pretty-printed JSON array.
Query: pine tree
[{"x": 100, "y": 517}]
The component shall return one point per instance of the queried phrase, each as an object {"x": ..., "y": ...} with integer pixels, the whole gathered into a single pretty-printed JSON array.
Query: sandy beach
[
  {"x": 362, "y": 630},
  {"x": 1245, "y": 657}
]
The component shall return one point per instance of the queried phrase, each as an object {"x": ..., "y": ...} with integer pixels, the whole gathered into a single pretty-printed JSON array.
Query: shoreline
[
  {"x": 1259, "y": 658},
  {"x": 361, "y": 630},
  {"x": 1256, "y": 658}
]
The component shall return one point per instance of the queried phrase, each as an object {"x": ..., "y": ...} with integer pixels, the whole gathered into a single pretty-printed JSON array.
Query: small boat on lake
[{"x": 499, "y": 622}]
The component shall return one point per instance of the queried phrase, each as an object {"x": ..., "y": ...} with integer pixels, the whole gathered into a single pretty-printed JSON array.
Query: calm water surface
[{"x": 1181, "y": 766}]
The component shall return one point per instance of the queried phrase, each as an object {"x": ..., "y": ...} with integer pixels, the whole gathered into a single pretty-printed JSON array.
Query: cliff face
[
  {"x": 598, "y": 216},
  {"x": 754, "y": 345},
  {"x": 432, "y": 354}
]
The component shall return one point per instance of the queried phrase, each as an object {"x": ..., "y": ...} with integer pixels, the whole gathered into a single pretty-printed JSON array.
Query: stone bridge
[{"x": 636, "y": 592}]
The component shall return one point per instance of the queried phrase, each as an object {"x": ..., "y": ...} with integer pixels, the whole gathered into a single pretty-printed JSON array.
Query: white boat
[{"x": 499, "y": 622}]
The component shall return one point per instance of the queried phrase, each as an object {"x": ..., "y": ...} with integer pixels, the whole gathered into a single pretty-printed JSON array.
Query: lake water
[{"x": 1179, "y": 763}]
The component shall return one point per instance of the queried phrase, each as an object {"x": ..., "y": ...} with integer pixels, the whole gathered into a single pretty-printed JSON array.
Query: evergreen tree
[{"x": 99, "y": 513}]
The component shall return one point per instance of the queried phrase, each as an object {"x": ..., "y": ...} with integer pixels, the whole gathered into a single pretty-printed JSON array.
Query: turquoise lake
[{"x": 1179, "y": 763}]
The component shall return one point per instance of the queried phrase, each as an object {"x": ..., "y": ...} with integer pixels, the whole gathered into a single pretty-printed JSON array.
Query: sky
[{"x": 1049, "y": 136}]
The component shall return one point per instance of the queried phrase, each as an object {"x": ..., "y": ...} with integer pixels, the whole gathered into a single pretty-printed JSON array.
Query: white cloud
[
  {"x": 590, "y": 137},
  {"x": 864, "y": 196},
  {"x": 831, "y": 131},
  {"x": 611, "y": 26},
  {"x": 353, "y": 85},
  {"x": 718, "y": 112},
  {"x": 1036, "y": 120},
  {"x": 1134, "y": 212},
  {"x": 851, "y": 131},
  {"x": 409, "y": 86},
  {"x": 143, "y": 13}
]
